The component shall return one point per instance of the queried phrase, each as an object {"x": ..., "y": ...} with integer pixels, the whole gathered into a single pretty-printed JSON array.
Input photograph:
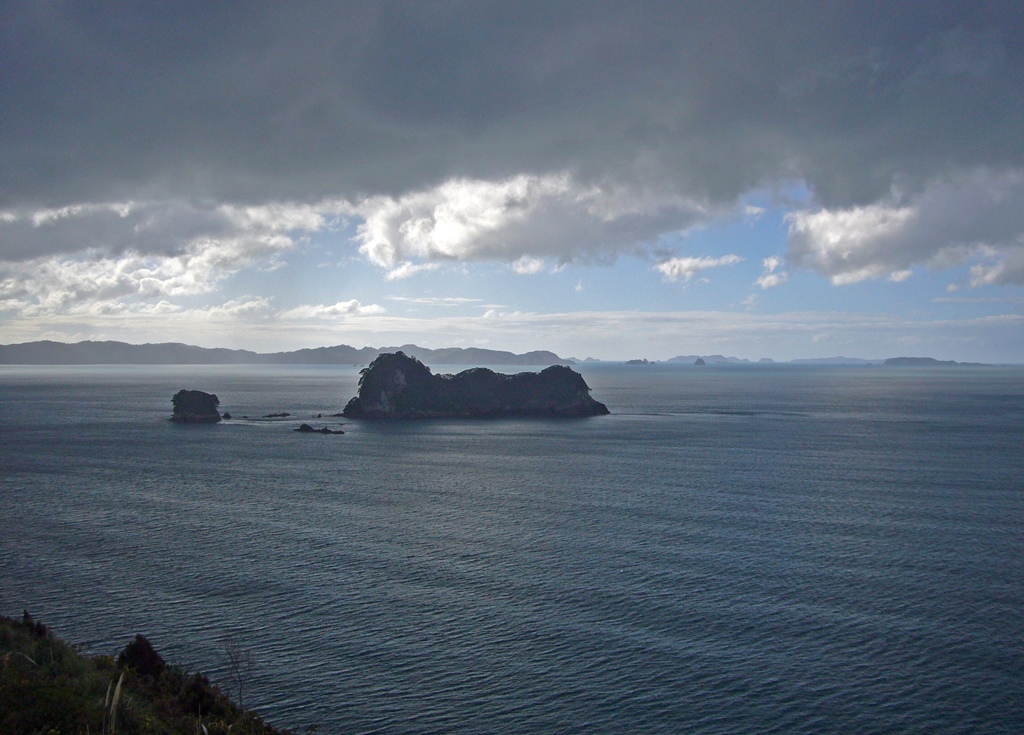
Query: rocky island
[
  {"x": 195, "y": 407},
  {"x": 307, "y": 429},
  {"x": 398, "y": 386}
]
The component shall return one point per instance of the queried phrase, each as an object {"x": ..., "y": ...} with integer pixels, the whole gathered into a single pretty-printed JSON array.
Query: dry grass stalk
[{"x": 114, "y": 702}]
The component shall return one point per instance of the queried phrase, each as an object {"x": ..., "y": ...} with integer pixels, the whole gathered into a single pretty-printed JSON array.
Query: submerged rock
[
  {"x": 307, "y": 429},
  {"x": 398, "y": 386},
  {"x": 195, "y": 407}
]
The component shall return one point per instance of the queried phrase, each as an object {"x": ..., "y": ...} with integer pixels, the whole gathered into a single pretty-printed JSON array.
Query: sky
[{"x": 613, "y": 180}]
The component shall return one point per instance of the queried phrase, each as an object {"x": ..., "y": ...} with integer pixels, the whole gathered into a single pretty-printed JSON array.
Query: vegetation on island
[
  {"x": 398, "y": 386},
  {"x": 48, "y": 687},
  {"x": 195, "y": 407}
]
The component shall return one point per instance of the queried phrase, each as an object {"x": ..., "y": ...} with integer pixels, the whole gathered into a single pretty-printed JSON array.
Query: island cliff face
[
  {"x": 195, "y": 407},
  {"x": 398, "y": 386}
]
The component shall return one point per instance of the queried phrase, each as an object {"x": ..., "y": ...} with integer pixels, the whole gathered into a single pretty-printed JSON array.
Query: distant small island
[
  {"x": 398, "y": 386},
  {"x": 307, "y": 429},
  {"x": 927, "y": 362},
  {"x": 195, "y": 407}
]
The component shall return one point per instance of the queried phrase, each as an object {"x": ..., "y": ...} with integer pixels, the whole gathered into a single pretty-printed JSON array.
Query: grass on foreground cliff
[{"x": 48, "y": 687}]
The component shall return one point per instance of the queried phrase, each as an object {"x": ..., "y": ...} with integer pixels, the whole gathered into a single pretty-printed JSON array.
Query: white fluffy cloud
[
  {"x": 772, "y": 275},
  {"x": 407, "y": 269},
  {"x": 1002, "y": 266},
  {"x": 329, "y": 311},
  {"x": 93, "y": 255},
  {"x": 684, "y": 269},
  {"x": 58, "y": 284},
  {"x": 62, "y": 283},
  {"x": 450, "y": 301},
  {"x": 954, "y": 220},
  {"x": 527, "y": 266},
  {"x": 519, "y": 220},
  {"x": 242, "y": 234},
  {"x": 243, "y": 309}
]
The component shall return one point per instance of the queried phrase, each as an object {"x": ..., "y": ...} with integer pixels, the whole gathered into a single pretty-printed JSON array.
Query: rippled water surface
[{"x": 733, "y": 550}]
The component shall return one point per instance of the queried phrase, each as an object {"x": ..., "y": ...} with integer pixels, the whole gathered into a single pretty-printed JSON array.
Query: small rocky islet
[{"x": 195, "y": 407}]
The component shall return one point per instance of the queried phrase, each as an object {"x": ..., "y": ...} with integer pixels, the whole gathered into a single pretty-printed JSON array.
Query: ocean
[{"x": 736, "y": 549}]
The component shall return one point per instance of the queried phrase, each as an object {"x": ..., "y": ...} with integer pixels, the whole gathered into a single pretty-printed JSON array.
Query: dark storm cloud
[
  {"x": 473, "y": 130},
  {"x": 270, "y": 101}
]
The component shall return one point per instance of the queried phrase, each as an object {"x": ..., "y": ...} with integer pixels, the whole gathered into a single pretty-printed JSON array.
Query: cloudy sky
[{"x": 619, "y": 180}]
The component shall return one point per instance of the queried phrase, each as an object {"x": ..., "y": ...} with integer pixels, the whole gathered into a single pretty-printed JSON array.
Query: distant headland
[
  {"x": 396, "y": 385},
  {"x": 173, "y": 353},
  {"x": 927, "y": 362}
]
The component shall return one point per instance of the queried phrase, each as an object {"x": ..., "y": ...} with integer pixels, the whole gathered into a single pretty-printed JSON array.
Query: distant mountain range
[
  {"x": 173, "y": 353},
  {"x": 891, "y": 361}
]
